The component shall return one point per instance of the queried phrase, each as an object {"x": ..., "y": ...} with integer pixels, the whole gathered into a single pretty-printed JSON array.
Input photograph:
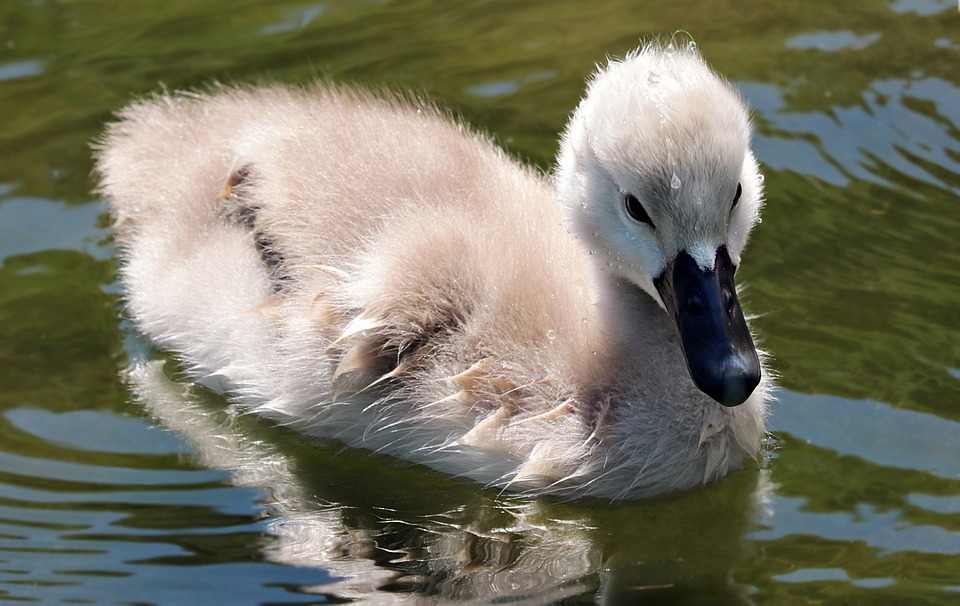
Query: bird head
[{"x": 657, "y": 177}]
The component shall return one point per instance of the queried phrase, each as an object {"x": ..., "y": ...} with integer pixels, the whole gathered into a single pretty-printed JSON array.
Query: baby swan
[{"x": 363, "y": 268}]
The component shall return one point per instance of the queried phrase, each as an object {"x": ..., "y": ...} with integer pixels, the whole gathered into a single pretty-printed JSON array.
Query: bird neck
[{"x": 628, "y": 315}]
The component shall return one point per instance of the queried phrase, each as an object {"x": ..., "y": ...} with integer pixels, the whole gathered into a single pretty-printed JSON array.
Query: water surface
[{"x": 141, "y": 489}]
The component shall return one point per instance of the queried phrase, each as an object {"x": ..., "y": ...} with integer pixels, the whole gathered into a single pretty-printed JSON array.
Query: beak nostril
[
  {"x": 728, "y": 301},
  {"x": 695, "y": 305}
]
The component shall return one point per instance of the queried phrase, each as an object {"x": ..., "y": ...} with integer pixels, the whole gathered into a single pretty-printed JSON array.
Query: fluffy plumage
[{"x": 364, "y": 268}]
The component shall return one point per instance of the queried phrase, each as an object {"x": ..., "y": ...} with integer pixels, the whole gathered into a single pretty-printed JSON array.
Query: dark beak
[{"x": 716, "y": 342}]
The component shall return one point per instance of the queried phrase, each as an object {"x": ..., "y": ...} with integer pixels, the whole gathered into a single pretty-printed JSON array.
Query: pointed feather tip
[
  {"x": 477, "y": 378},
  {"x": 269, "y": 309},
  {"x": 360, "y": 367},
  {"x": 358, "y": 325}
]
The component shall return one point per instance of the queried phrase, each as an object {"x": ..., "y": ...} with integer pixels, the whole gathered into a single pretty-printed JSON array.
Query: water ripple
[
  {"x": 21, "y": 69},
  {"x": 852, "y": 142},
  {"x": 832, "y": 41}
]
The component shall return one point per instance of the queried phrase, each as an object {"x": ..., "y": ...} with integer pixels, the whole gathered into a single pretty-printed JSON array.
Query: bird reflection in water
[{"x": 408, "y": 535}]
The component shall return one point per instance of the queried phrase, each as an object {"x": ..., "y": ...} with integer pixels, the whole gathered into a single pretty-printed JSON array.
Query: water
[{"x": 142, "y": 490}]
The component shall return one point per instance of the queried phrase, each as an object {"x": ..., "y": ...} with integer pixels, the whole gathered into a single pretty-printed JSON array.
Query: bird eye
[
  {"x": 635, "y": 210},
  {"x": 736, "y": 198}
]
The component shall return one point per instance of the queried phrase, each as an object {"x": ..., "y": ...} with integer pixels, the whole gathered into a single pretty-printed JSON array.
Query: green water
[{"x": 854, "y": 272}]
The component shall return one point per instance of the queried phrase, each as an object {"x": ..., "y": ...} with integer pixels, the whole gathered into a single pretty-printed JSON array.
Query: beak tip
[{"x": 737, "y": 381}]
